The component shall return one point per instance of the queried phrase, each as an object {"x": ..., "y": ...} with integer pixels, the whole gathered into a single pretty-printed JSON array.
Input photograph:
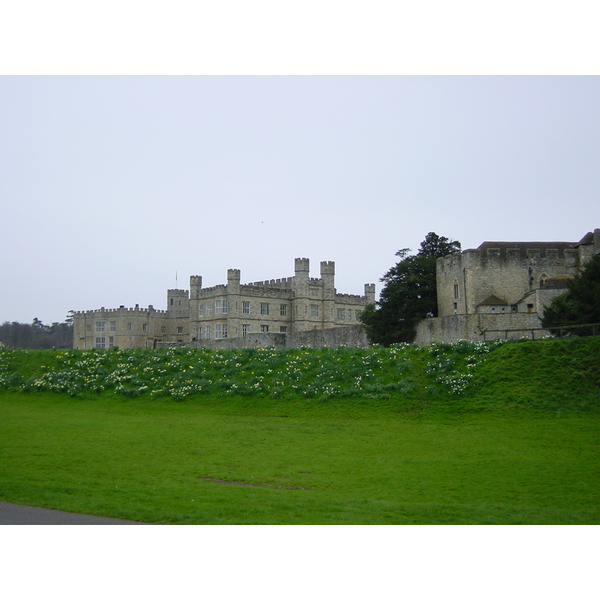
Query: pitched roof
[
  {"x": 559, "y": 283},
  {"x": 493, "y": 301},
  {"x": 588, "y": 238}
]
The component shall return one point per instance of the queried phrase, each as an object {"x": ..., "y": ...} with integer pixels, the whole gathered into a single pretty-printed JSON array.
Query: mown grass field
[{"x": 461, "y": 434}]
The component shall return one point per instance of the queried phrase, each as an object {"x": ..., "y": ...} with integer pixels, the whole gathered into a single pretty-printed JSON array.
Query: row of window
[
  {"x": 205, "y": 310},
  {"x": 204, "y": 331},
  {"x": 221, "y": 308},
  {"x": 100, "y": 327},
  {"x": 101, "y": 342}
]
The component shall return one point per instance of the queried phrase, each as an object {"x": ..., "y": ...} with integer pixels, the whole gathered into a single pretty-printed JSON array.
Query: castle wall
[
  {"x": 472, "y": 327},
  {"x": 508, "y": 271},
  {"x": 353, "y": 336},
  {"x": 128, "y": 327}
]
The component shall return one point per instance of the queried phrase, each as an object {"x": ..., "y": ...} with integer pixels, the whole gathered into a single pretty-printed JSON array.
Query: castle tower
[
  {"x": 234, "y": 323},
  {"x": 195, "y": 287},
  {"x": 328, "y": 305},
  {"x": 233, "y": 281},
  {"x": 178, "y": 303},
  {"x": 370, "y": 293},
  {"x": 328, "y": 278},
  {"x": 300, "y": 301}
]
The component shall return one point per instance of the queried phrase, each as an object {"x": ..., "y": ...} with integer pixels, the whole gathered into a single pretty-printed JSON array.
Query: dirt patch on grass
[{"x": 247, "y": 484}]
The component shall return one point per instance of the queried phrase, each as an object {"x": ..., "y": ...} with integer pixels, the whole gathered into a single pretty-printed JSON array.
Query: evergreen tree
[
  {"x": 409, "y": 293},
  {"x": 580, "y": 305}
]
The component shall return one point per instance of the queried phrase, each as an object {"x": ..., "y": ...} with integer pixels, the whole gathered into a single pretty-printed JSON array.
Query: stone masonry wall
[
  {"x": 354, "y": 336},
  {"x": 471, "y": 327}
]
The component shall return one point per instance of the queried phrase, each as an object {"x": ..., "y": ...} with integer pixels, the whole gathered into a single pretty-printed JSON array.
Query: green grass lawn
[{"x": 514, "y": 448}]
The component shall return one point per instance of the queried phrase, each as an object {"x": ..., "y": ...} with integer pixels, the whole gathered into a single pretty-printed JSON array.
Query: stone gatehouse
[{"x": 502, "y": 286}]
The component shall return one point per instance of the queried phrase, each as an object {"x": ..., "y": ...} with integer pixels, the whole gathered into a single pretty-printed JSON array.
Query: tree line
[{"x": 37, "y": 335}]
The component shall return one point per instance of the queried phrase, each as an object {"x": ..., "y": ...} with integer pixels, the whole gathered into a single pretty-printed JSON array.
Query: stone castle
[
  {"x": 298, "y": 310},
  {"x": 483, "y": 294},
  {"x": 502, "y": 286}
]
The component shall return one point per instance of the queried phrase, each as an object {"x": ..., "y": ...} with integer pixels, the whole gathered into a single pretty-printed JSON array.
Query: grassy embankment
[{"x": 453, "y": 434}]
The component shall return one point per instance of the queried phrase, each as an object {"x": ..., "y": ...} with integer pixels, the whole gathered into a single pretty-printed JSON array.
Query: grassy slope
[{"x": 520, "y": 447}]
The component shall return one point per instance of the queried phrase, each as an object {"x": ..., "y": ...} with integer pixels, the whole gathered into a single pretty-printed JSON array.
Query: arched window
[{"x": 456, "y": 289}]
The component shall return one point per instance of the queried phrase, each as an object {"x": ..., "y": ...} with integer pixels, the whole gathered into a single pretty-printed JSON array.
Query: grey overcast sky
[{"x": 110, "y": 186}]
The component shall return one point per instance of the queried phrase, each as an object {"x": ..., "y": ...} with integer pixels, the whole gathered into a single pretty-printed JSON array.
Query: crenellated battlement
[
  {"x": 121, "y": 310},
  {"x": 283, "y": 282},
  {"x": 354, "y": 298},
  {"x": 211, "y": 291},
  {"x": 259, "y": 291},
  {"x": 499, "y": 255}
]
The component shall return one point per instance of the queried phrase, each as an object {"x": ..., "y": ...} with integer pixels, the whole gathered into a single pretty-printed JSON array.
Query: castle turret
[
  {"x": 300, "y": 287},
  {"x": 370, "y": 293},
  {"x": 178, "y": 303},
  {"x": 328, "y": 278},
  {"x": 195, "y": 286},
  {"x": 234, "y": 322},
  {"x": 328, "y": 307},
  {"x": 233, "y": 281}
]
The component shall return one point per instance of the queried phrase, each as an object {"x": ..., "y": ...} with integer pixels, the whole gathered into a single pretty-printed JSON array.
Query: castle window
[
  {"x": 145, "y": 327},
  {"x": 314, "y": 310},
  {"x": 220, "y": 307},
  {"x": 220, "y": 331},
  {"x": 314, "y": 291},
  {"x": 264, "y": 308},
  {"x": 456, "y": 289},
  {"x": 341, "y": 314},
  {"x": 208, "y": 310},
  {"x": 163, "y": 329},
  {"x": 245, "y": 329},
  {"x": 264, "y": 328},
  {"x": 180, "y": 330},
  {"x": 543, "y": 280},
  {"x": 204, "y": 332},
  {"x": 246, "y": 308},
  {"x": 112, "y": 326},
  {"x": 171, "y": 301},
  {"x": 200, "y": 310},
  {"x": 357, "y": 315},
  {"x": 100, "y": 342},
  {"x": 129, "y": 326},
  {"x": 100, "y": 326},
  {"x": 283, "y": 310},
  {"x": 111, "y": 342},
  {"x": 88, "y": 328},
  {"x": 283, "y": 329}
]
